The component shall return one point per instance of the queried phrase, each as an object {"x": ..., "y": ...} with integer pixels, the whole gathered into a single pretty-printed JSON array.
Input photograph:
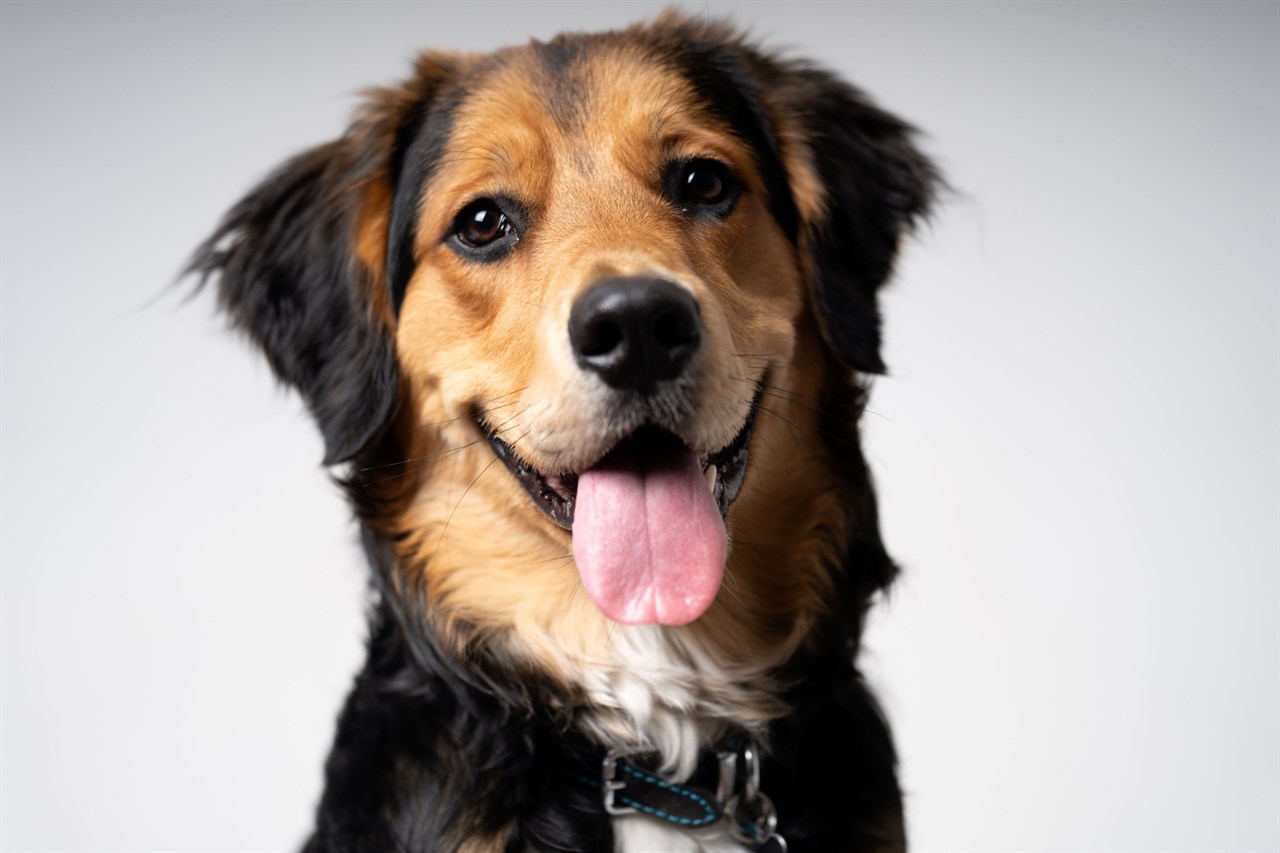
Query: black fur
[
  {"x": 431, "y": 747},
  {"x": 879, "y": 185},
  {"x": 427, "y": 742},
  {"x": 287, "y": 278}
]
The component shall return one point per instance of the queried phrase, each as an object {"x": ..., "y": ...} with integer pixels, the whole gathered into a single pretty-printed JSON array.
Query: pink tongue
[{"x": 647, "y": 535}]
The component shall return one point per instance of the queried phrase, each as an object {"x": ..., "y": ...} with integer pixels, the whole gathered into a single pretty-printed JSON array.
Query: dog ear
[
  {"x": 301, "y": 266},
  {"x": 859, "y": 185}
]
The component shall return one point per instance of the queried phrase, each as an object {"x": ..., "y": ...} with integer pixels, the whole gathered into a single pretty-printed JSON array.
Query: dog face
[
  {"x": 638, "y": 209},
  {"x": 591, "y": 284},
  {"x": 587, "y": 316}
]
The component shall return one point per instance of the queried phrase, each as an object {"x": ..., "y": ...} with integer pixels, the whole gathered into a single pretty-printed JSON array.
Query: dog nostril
[
  {"x": 600, "y": 338},
  {"x": 674, "y": 329}
]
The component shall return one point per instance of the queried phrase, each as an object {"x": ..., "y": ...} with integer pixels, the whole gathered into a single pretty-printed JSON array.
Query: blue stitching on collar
[{"x": 683, "y": 821}]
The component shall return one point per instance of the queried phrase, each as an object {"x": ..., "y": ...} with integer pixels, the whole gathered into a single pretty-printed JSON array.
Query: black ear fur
[
  {"x": 288, "y": 277},
  {"x": 289, "y": 272},
  {"x": 877, "y": 185}
]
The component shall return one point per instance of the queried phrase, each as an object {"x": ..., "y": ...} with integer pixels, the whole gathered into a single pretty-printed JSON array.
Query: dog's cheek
[
  {"x": 764, "y": 292},
  {"x": 449, "y": 325}
]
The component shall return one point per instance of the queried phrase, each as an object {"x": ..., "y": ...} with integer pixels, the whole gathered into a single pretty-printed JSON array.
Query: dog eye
[
  {"x": 705, "y": 182},
  {"x": 703, "y": 187},
  {"x": 481, "y": 223}
]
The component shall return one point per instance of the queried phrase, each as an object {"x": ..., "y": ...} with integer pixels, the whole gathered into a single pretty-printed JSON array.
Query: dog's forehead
[{"x": 577, "y": 103}]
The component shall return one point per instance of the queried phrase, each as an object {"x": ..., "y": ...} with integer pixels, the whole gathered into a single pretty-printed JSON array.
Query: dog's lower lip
[{"x": 555, "y": 494}]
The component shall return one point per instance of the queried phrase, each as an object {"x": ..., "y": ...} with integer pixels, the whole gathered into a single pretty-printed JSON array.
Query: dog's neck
[{"x": 662, "y": 689}]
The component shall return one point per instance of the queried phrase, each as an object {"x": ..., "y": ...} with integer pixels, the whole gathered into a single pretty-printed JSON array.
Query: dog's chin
[{"x": 555, "y": 493}]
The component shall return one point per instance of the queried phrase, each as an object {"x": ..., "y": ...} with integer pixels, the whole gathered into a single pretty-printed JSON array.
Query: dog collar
[{"x": 734, "y": 794}]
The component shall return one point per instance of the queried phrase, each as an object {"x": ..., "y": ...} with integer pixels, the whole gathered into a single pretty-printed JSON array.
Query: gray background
[{"x": 1076, "y": 451}]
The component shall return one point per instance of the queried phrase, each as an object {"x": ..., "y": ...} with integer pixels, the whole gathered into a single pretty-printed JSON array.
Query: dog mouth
[
  {"x": 556, "y": 493},
  {"x": 647, "y": 519}
]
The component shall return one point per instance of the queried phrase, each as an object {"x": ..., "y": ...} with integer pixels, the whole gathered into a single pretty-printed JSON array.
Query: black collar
[{"x": 725, "y": 785}]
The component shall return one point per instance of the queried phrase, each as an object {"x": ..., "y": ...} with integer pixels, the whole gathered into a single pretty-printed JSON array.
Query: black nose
[{"x": 635, "y": 332}]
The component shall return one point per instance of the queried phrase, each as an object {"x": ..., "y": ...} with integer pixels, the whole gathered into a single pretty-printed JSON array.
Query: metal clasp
[
  {"x": 753, "y": 820},
  {"x": 610, "y": 784},
  {"x": 728, "y": 781}
]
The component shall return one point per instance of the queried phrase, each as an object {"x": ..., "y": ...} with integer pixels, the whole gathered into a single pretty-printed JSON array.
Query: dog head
[{"x": 583, "y": 304}]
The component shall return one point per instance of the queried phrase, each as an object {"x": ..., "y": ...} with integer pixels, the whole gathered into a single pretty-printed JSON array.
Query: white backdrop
[{"x": 1076, "y": 450}]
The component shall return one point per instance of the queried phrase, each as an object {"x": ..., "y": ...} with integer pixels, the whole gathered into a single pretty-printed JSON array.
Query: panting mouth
[
  {"x": 556, "y": 494},
  {"x": 648, "y": 520}
]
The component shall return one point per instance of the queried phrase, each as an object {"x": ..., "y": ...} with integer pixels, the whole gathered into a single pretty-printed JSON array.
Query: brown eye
[
  {"x": 705, "y": 182},
  {"x": 481, "y": 223},
  {"x": 705, "y": 190}
]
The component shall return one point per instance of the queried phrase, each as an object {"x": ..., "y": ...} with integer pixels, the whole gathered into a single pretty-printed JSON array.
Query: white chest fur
[{"x": 658, "y": 689}]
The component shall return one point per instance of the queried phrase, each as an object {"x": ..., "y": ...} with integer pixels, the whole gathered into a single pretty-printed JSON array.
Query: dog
[{"x": 587, "y": 327}]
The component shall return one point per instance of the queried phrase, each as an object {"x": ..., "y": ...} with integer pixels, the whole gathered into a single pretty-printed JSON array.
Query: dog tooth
[{"x": 710, "y": 474}]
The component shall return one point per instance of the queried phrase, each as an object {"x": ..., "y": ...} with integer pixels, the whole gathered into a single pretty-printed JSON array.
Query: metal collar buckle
[{"x": 611, "y": 784}]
